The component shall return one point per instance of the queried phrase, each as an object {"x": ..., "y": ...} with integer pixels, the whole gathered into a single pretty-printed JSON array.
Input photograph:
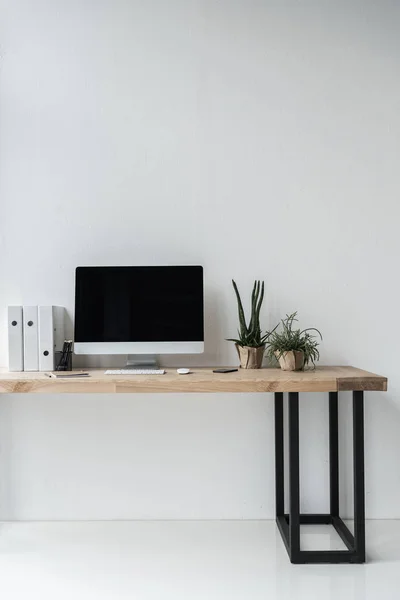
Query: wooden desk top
[{"x": 322, "y": 379}]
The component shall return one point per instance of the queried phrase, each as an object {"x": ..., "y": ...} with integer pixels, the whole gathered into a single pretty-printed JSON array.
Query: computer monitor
[{"x": 139, "y": 310}]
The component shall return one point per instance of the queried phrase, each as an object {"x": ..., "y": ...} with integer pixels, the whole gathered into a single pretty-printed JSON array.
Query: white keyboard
[{"x": 135, "y": 372}]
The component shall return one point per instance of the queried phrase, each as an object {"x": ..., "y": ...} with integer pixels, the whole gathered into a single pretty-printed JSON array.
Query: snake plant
[{"x": 251, "y": 335}]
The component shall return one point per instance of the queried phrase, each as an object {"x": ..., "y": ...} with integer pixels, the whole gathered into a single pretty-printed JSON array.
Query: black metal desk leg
[
  {"x": 294, "y": 477},
  {"x": 279, "y": 457},
  {"x": 358, "y": 462},
  {"x": 281, "y": 519},
  {"x": 289, "y": 524},
  {"x": 334, "y": 453}
]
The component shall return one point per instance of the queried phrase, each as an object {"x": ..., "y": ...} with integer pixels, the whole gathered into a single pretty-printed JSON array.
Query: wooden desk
[{"x": 322, "y": 379}]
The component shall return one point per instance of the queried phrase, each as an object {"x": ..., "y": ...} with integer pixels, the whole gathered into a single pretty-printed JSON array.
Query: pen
[{"x": 67, "y": 374}]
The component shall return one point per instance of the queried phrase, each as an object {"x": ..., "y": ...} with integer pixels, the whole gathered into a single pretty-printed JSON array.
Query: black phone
[{"x": 225, "y": 370}]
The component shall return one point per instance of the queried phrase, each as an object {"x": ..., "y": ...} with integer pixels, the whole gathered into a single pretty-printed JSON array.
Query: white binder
[
  {"x": 15, "y": 339},
  {"x": 59, "y": 327},
  {"x": 50, "y": 335},
  {"x": 31, "y": 358}
]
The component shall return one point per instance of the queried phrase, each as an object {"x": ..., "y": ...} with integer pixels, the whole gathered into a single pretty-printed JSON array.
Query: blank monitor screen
[{"x": 139, "y": 304}]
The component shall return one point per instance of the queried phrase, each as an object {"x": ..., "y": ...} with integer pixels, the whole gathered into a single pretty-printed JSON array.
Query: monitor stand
[{"x": 142, "y": 361}]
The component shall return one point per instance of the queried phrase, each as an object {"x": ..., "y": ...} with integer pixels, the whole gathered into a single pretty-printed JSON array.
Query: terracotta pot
[
  {"x": 291, "y": 361},
  {"x": 250, "y": 358}
]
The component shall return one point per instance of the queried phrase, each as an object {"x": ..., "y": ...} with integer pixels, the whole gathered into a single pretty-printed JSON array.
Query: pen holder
[{"x": 63, "y": 360}]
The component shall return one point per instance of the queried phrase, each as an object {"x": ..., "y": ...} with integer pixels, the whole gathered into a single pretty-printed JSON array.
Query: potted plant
[
  {"x": 294, "y": 348},
  {"x": 250, "y": 344}
]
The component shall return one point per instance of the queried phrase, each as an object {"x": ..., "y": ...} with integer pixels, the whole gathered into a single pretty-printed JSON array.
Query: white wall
[{"x": 258, "y": 138}]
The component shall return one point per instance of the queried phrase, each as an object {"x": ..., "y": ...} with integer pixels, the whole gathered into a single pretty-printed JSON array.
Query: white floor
[{"x": 207, "y": 560}]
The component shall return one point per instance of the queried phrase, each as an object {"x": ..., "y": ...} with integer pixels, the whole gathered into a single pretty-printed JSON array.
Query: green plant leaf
[
  {"x": 253, "y": 300},
  {"x": 313, "y": 329},
  {"x": 238, "y": 342},
  {"x": 258, "y": 307},
  {"x": 242, "y": 318}
]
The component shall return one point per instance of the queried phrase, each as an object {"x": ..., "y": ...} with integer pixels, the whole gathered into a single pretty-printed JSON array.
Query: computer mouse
[{"x": 183, "y": 371}]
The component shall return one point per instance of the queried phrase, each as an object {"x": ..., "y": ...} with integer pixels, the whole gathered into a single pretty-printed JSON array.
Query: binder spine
[
  {"x": 30, "y": 329},
  {"x": 59, "y": 327},
  {"x": 46, "y": 338},
  {"x": 15, "y": 339}
]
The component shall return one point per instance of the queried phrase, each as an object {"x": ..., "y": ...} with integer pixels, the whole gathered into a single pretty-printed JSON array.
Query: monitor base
[{"x": 142, "y": 361}]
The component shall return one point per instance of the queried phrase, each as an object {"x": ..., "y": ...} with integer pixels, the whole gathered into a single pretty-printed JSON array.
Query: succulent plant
[{"x": 294, "y": 339}]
